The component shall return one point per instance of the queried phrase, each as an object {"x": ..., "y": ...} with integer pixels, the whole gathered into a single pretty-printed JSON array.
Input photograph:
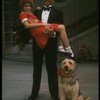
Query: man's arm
[{"x": 60, "y": 18}]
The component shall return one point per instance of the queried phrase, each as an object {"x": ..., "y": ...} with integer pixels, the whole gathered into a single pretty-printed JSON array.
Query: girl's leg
[
  {"x": 63, "y": 36},
  {"x": 65, "y": 41}
]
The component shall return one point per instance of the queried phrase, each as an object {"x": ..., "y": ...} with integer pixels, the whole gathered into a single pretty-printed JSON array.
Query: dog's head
[{"x": 67, "y": 67}]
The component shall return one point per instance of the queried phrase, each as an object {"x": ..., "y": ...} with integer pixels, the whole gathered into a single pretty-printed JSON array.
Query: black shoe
[
  {"x": 56, "y": 99},
  {"x": 65, "y": 54},
  {"x": 30, "y": 98}
]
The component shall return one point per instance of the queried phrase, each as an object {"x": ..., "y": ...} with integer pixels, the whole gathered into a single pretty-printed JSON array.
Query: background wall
[
  {"x": 75, "y": 9},
  {"x": 80, "y": 18}
]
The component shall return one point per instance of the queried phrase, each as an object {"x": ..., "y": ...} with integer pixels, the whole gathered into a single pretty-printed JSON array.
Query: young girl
[{"x": 41, "y": 31}]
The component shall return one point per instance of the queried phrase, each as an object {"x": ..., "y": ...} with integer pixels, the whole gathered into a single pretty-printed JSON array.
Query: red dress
[{"x": 40, "y": 37}]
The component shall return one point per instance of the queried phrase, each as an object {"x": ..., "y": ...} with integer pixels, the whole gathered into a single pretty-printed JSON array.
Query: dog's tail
[{"x": 87, "y": 98}]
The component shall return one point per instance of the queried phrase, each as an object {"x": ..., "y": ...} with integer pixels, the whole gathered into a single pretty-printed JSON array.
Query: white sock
[
  {"x": 61, "y": 49},
  {"x": 69, "y": 50}
]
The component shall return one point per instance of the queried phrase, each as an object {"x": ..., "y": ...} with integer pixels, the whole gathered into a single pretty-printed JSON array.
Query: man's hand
[{"x": 48, "y": 30}]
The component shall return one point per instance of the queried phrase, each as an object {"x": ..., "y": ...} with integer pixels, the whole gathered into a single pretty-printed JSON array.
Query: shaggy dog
[{"x": 69, "y": 85}]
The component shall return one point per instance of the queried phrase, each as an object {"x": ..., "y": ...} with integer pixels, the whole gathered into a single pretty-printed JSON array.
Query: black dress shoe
[
  {"x": 66, "y": 55},
  {"x": 30, "y": 98},
  {"x": 56, "y": 99}
]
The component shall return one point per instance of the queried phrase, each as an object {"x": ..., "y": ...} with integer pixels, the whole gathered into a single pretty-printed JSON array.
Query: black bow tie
[{"x": 46, "y": 8}]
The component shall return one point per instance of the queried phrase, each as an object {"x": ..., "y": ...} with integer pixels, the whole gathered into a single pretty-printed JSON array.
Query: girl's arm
[
  {"x": 33, "y": 25},
  {"x": 26, "y": 22},
  {"x": 48, "y": 29}
]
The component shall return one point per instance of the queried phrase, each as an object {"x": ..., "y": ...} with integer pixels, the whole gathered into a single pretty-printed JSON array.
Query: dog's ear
[
  {"x": 59, "y": 71},
  {"x": 75, "y": 64},
  {"x": 72, "y": 62}
]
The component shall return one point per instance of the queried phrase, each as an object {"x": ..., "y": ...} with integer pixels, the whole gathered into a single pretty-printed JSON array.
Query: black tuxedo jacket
[{"x": 55, "y": 16}]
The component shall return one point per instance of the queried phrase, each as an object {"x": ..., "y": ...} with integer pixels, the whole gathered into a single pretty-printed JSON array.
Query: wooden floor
[{"x": 17, "y": 80}]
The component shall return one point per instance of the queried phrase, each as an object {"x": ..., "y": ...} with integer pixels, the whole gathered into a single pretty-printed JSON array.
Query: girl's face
[{"x": 27, "y": 7}]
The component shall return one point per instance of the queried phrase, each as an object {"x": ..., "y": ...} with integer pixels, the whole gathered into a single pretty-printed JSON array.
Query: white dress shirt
[{"x": 45, "y": 16}]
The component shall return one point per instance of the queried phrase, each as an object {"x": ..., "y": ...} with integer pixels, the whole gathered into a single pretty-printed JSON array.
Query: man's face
[{"x": 48, "y": 2}]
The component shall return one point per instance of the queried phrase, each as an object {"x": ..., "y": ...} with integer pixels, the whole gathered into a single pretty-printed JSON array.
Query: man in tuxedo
[{"x": 48, "y": 13}]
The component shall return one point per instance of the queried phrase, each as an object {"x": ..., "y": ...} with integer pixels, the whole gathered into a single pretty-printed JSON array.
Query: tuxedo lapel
[
  {"x": 51, "y": 15},
  {"x": 39, "y": 14}
]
